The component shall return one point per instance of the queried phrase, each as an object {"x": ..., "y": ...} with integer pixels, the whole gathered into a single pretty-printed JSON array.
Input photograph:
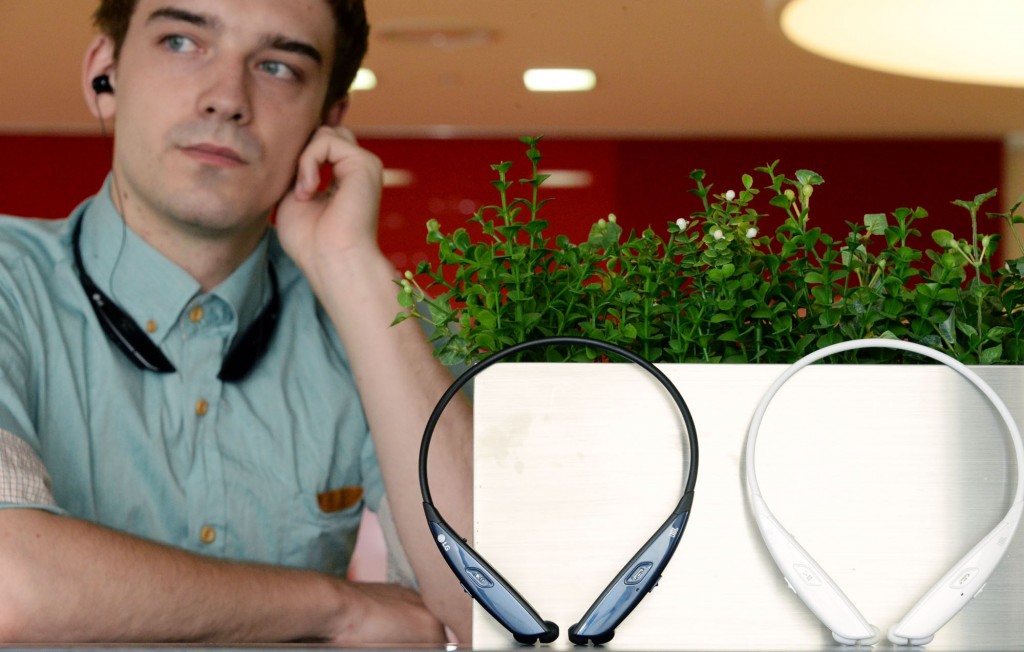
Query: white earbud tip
[
  {"x": 896, "y": 639},
  {"x": 876, "y": 635}
]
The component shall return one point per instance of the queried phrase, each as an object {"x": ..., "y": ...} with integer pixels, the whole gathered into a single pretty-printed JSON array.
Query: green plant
[{"x": 747, "y": 278}]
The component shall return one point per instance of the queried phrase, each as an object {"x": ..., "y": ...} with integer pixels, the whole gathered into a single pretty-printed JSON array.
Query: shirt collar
[{"x": 148, "y": 286}]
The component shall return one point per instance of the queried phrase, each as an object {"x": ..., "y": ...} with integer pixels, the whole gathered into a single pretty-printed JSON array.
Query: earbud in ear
[{"x": 101, "y": 85}]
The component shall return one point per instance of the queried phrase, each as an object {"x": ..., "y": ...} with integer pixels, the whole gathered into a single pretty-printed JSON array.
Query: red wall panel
[{"x": 645, "y": 182}]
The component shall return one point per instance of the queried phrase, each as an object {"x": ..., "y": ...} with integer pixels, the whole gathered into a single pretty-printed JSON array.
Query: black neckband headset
[
  {"x": 124, "y": 333},
  {"x": 633, "y": 582},
  {"x": 137, "y": 347}
]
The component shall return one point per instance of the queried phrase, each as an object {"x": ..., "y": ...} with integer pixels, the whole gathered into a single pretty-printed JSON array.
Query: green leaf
[
  {"x": 991, "y": 355},
  {"x": 943, "y": 238},
  {"x": 405, "y": 299},
  {"x": 997, "y": 333},
  {"x": 731, "y": 335},
  {"x": 486, "y": 318},
  {"x": 807, "y": 177},
  {"x": 967, "y": 329},
  {"x": 486, "y": 341},
  {"x": 536, "y": 226},
  {"x": 462, "y": 240},
  {"x": 876, "y": 223},
  {"x": 814, "y": 277}
]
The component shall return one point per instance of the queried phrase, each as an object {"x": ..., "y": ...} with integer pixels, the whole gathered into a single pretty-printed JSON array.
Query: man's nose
[{"x": 227, "y": 95}]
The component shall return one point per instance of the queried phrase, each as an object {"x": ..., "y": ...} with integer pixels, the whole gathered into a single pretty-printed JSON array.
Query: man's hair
[{"x": 351, "y": 34}]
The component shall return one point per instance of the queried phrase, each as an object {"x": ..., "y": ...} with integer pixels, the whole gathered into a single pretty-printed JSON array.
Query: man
[{"x": 187, "y": 395}]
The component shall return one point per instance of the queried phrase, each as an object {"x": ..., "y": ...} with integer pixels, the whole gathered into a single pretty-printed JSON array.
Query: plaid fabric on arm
[{"x": 23, "y": 478}]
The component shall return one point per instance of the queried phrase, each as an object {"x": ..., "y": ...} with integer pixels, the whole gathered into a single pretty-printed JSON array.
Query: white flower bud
[
  {"x": 612, "y": 218},
  {"x": 682, "y": 224},
  {"x": 718, "y": 235},
  {"x": 751, "y": 233},
  {"x": 730, "y": 195}
]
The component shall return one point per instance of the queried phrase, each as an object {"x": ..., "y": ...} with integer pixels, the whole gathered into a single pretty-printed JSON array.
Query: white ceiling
[{"x": 692, "y": 68}]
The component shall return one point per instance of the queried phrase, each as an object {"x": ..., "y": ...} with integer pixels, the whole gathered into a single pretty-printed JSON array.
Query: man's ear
[
  {"x": 335, "y": 113},
  {"x": 99, "y": 60}
]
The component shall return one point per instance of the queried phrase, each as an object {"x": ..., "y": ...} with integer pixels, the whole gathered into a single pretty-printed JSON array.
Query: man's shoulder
[{"x": 34, "y": 240}]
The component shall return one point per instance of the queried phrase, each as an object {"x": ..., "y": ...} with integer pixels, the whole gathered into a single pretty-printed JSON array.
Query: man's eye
[
  {"x": 179, "y": 43},
  {"x": 278, "y": 69}
]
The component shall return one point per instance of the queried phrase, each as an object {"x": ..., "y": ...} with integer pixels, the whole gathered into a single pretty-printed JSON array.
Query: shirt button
[
  {"x": 202, "y": 407},
  {"x": 151, "y": 326},
  {"x": 196, "y": 314},
  {"x": 207, "y": 535}
]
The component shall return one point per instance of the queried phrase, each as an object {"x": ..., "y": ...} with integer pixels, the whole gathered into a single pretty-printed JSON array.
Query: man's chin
[{"x": 212, "y": 219}]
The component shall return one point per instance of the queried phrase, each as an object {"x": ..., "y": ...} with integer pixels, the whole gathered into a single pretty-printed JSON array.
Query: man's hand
[
  {"x": 388, "y": 612},
  {"x": 316, "y": 228}
]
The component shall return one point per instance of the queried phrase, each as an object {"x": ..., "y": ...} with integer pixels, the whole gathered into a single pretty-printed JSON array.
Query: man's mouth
[{"x": 214, "y": 154}]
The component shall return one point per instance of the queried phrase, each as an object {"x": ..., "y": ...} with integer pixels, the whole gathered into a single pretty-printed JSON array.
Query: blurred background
[{"x": 679, "y": 85}]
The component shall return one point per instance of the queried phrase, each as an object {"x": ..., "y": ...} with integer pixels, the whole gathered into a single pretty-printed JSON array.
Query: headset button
[
  {"x": 638, "y": 573},
  {"x": 807, "y": 574},
  {"x": 963, "y": 578},
  {"x": 480, "y": 578}
]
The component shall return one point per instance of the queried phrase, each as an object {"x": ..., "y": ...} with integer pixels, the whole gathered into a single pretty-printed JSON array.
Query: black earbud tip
[
  {"x": 600, "y": 639},
  {"x": 551, "y": 634},
  {"x": 548, "y": 636},
  {"x": 522, "y": 639},
  {"x": 101, "y": 84}
]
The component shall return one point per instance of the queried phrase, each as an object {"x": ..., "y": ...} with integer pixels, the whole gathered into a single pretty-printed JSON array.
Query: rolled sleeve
[{"x": 24, "y": 481}]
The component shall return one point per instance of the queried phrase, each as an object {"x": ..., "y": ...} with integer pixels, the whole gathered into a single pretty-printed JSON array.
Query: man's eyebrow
[
  {"x": 286, "y": 44},
  {"x": 273, "y": 41},
  {"x": 174, "y": 13}
]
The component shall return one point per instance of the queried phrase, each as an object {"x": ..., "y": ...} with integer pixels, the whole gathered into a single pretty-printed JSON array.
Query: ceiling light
[
  {"x": 567, "y": 178},
  {"x": 397, "y": 178},
  {"x": 365, "y": 80},
  {"x": 951, "y": 40},
  {"x": 559, "y": 79}
]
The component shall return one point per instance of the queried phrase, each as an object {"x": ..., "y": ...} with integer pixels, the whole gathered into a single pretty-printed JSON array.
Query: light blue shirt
[{"x": 231, "y": 470}]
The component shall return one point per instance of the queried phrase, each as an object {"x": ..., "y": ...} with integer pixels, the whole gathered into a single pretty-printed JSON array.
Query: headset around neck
[
  {"x": 126, "y": 335},
  {"x": 632, "y": 583},
  {"x": 821, "y": 594}
]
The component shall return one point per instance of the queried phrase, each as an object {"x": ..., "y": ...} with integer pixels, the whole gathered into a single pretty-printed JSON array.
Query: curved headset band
[
  {"x": 632, "y": 583},
  {"x": 821, "y": 594}
]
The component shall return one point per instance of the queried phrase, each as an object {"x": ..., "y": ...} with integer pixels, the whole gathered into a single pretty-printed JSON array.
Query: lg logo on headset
[{"x": 442, "y": 539}]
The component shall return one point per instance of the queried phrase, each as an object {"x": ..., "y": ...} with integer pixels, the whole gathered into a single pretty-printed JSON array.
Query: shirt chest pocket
[{"x": 324, "y": 529}]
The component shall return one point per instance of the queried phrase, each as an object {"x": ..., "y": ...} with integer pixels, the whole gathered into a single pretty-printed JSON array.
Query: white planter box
[{"x": 886, "y": 474}]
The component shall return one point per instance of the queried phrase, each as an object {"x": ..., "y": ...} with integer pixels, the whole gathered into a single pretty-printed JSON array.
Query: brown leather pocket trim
[{"x": 337, "y": 500}]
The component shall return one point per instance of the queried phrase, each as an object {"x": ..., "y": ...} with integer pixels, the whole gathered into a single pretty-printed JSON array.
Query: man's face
[{"x": 215, "y": 100}]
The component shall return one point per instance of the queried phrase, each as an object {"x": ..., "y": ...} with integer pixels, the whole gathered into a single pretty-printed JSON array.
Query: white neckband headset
[{"x": 821, "y": 594}]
